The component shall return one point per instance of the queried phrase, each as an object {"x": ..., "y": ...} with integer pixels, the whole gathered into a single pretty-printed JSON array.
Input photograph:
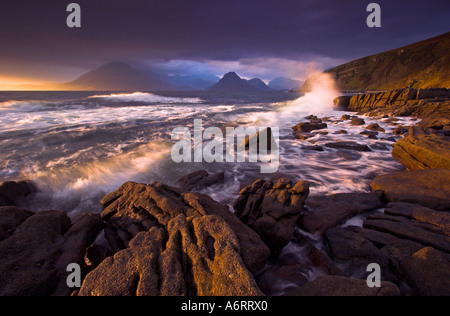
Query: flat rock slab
[
  {"x": 429, "y": 188},
  {"x": 423, "y": 150},
  {"x": 424, "y": 233},
  {"x": 329, "y": 211},
  {"x": 348, "y": 145}
]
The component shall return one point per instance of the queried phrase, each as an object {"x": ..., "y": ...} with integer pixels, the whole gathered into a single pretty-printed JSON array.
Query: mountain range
[
  {"x": 118, "y": 76},
  {"x": 231, "y": 82}
]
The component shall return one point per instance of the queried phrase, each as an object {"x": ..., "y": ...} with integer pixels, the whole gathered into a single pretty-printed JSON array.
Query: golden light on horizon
[{"x": 8, "y": 83}]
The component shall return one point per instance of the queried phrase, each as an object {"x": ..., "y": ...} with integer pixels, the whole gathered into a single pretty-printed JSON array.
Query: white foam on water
[
  {"x": 145, "y": 97},
  {"x": 75, "y": 187}
]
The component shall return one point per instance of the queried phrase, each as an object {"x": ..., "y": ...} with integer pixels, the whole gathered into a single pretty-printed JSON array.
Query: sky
[{"x": 255, "y": 38}]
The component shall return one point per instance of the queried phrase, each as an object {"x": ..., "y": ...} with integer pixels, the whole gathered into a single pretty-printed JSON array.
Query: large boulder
[
  {"x": 329, "y": 211},
  {"x": 37, "y": 251},
  {"x": 189, "y": 256},
  {"x": 357, "y": 121},
  {"x": 171, "y": 242},
  {"x": 15, "y": 193},
  {"x": 309, "y": 127},
  {"x": 349, "y": 247},
  {"x": 199, "y": 180},
  {"x": 10, "y": 218},
  {"x": 429, "y": 188},
  {"x": 423, "y": 150},
  {"x": 428, "y": 272},
  {"x": 134, "y": 208},
  {"x": 272, "y": 209}
]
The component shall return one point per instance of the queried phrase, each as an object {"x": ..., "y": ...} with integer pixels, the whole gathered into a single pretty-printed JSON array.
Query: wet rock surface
[
  {"x": 272, "y": 209},
  {"x": 38, "y": 248},
  {"x": 170, "y": 242},
  {"x": 429, "y": 188},
  {"x": 423, "y": 149},
  {"x": 199, "y": 180},
  {"x": 324, "y": 212},
  {"x": 15, "y": 193},
  {"x": 160, "y": 240}
]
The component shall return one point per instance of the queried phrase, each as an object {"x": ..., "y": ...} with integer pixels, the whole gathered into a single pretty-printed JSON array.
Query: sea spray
[
  {"x": 318, "y": 99},
  {"x": 79, "y": 187}
]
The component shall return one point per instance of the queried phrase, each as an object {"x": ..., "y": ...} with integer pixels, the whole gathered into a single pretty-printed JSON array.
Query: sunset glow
[{"x": 21, "y": 84}]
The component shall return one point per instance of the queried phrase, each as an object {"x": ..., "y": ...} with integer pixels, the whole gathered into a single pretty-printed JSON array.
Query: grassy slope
[{"x": 424, "y": 64}]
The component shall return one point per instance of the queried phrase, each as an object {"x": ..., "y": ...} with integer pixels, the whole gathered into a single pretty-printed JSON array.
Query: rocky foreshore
[
  {"x": 430, "y": 105},
  {"x": 155, "y": 239}
]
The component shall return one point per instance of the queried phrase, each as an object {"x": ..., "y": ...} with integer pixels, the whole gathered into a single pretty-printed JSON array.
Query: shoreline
[{"x": 191, "y": 233}]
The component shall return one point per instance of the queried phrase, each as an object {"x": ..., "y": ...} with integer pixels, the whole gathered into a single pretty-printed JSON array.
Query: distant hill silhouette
[
  {"x": 423, "y": 64},
  {"x": 118, "y": 76},
  {"x": 282, "y": 83},
  {"x": 259, "y": 84},
  {"x": 231, "y": 82},
  {"x": 191, "y": 82}
]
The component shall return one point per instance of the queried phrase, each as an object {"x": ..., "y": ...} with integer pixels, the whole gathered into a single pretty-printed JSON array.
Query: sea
[{"x": 79, "y": 146}]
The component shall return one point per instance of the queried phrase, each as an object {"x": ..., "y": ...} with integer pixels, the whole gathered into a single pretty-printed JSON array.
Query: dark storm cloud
[{"x": 33, "y": 34}]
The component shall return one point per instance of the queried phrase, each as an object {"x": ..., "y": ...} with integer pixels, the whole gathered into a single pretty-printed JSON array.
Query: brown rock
[
  {"x": 348, "y": 145},
  {"x": 302, "y": 136},
  {"x": 329, "y": 211},
  {"x": 357, "y": 121},
  {"x": 370, "y": 134},
  {"x": 313, "y": 147},
  {"x": 283, "y": 276},
  {"x": 36, "y": 254},
  {"x": 272, "y": 209},
  {"x": 400, "y": 130},
  {"x": 10, "y": 218},
  {"x": 428, "y": 272},
  {"x": 401, "y": 102},
  {"x": 28, "y": 256},
  {"x": 315, "y": 120},
  {"x": 350, "y": 248},
  {"x": 78, "y": 238},
  {"x": 15, "y": 193},
  {"x": 423, "y": 150},
  {"x": 134, "y": 208},
  {"x": 375, "y": 127},
  {"x": 199, "y": 179},
  {"x": 429, "y": 188},
  {"x": 309, "y": 127},
  {"x": 420, "y": 214},
  {"x": 189, "y": 256},
  {"x": 419, "y": 231}
]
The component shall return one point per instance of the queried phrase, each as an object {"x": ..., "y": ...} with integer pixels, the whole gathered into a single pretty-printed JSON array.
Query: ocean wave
[{"x": 146, "y": 97}]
